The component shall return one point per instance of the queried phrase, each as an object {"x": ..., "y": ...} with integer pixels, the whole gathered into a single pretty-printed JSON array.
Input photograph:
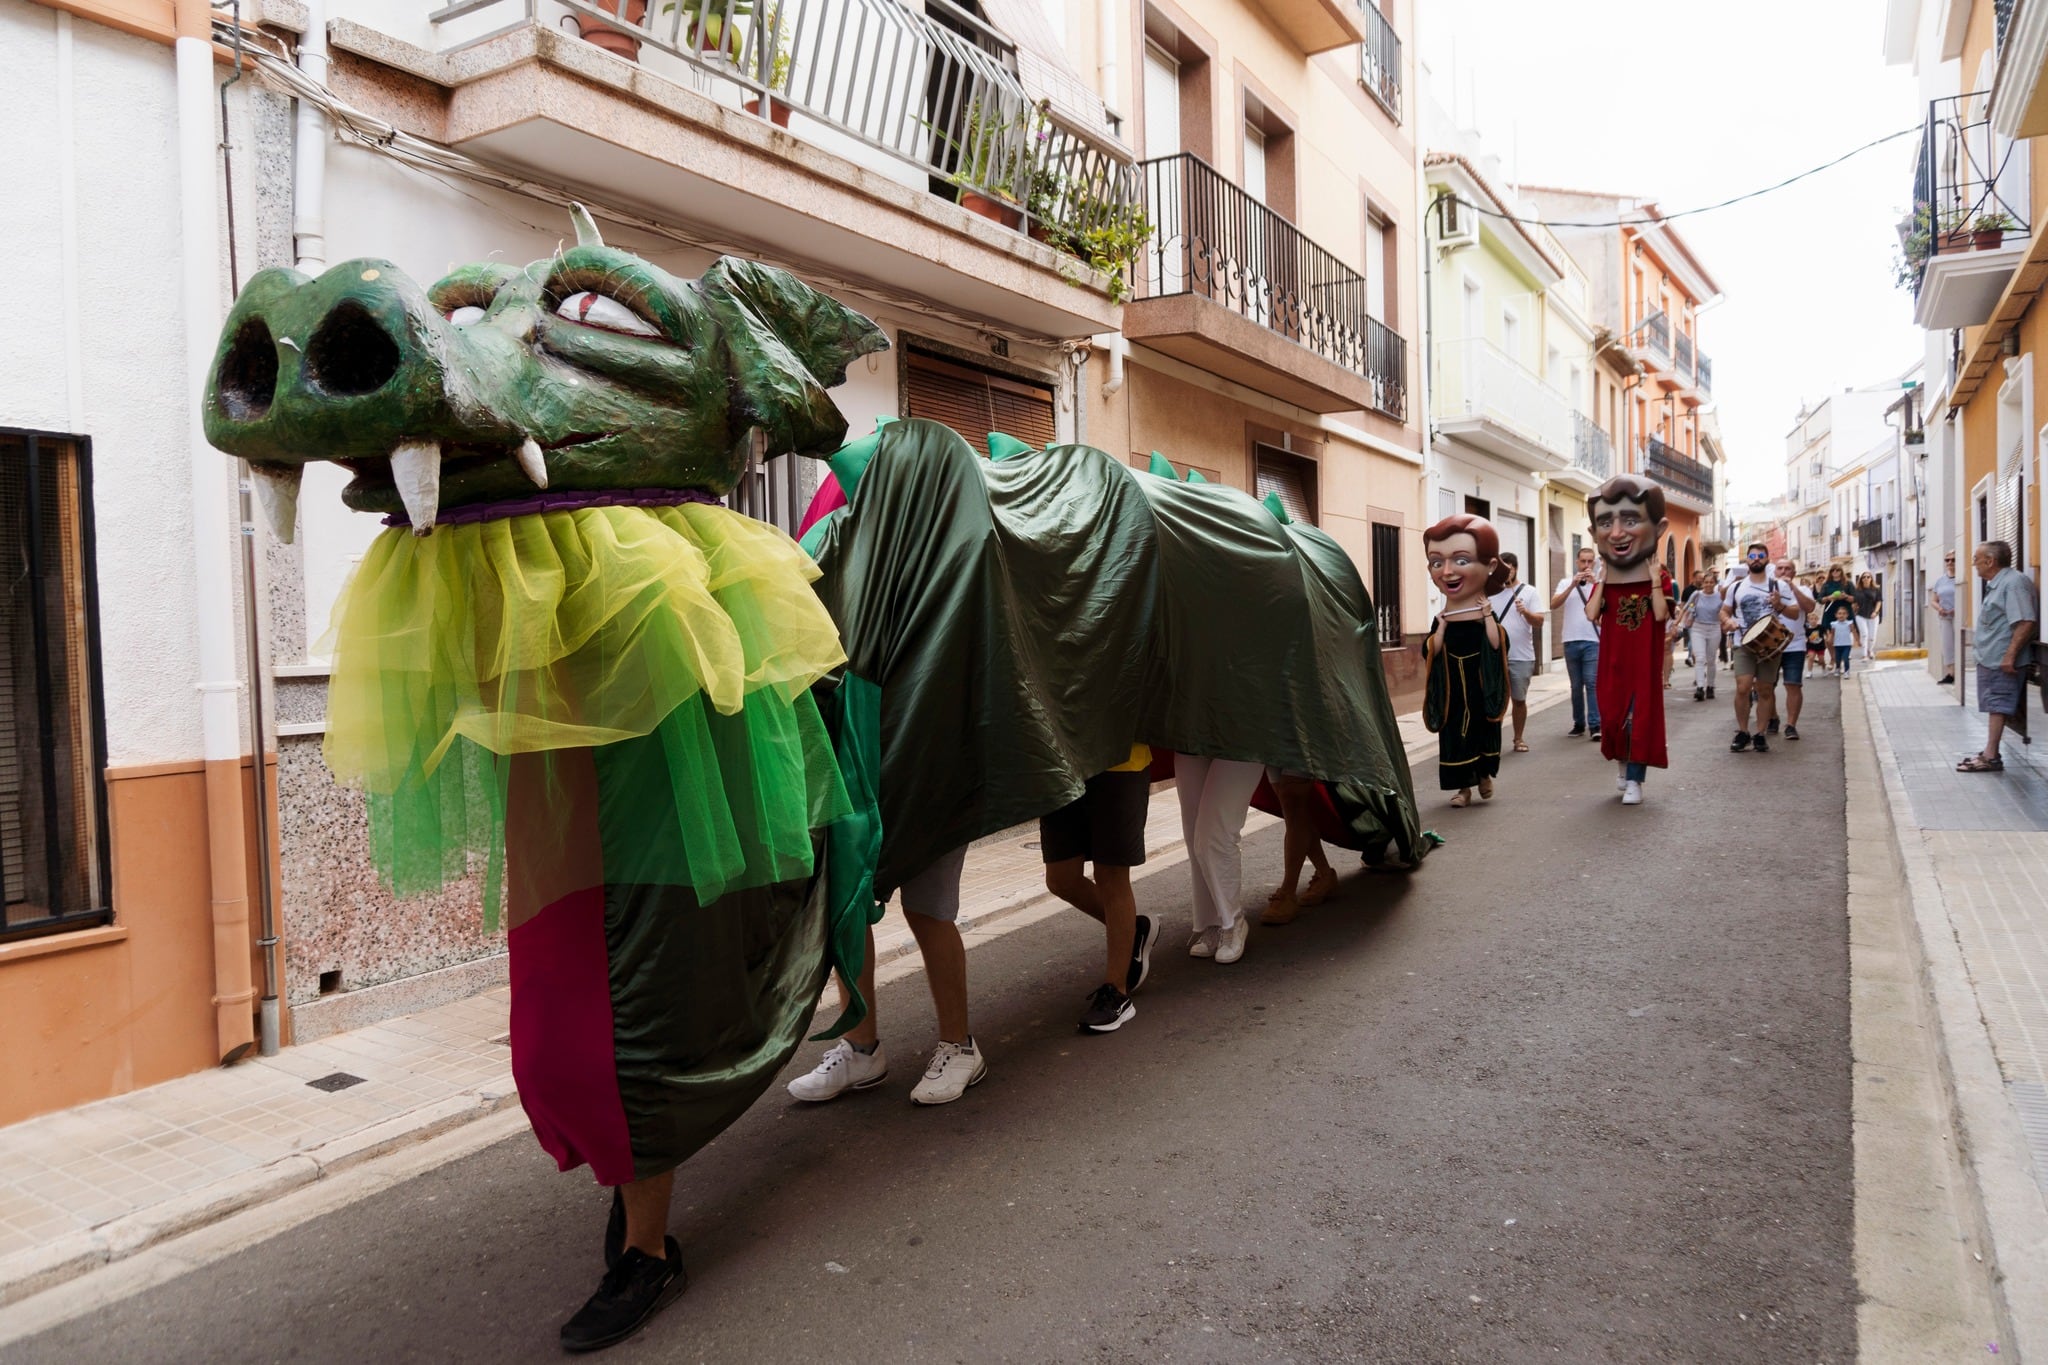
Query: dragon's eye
[
  {"x": 593, "y": 309},
  {"x": 466, "y": 315}
]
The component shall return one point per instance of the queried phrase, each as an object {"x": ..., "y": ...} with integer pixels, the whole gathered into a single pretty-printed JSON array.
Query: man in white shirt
[
  {"x": 1581, "y": 643},
  {"x": 1748, "y": 600},
  {"x": 1515, "y": 607},
  {"x": 1942, "y": 597},
  {"x": 1792, "y": 670}
]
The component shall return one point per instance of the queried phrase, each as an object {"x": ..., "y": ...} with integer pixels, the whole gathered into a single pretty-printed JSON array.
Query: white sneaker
[
  {"x": 1632, "y": 794},
  {"x": 1621, "y": 777},
  {"x": 1230, "y": 941},
  {"x": 1203, "y": 944},
  {"x": 953, "y": 1068},
  {"x": 841, "y": 1069}
]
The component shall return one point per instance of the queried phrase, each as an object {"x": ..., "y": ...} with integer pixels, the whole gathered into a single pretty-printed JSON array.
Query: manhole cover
[{"x": 339, "y": 1080}]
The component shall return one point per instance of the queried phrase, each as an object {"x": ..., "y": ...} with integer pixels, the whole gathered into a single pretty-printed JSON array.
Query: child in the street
[{"x": 1842, "y": 633}]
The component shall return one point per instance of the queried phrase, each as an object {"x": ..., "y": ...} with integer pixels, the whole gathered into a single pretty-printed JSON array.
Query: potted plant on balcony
[
  {"x": 778, "y": 77},
  {"x": 1955, "y": 231},
  {"x": 711, "y": 30},
  {"x": 620, "y": 42},
  {"x": 1108, "y": 236},
  {"x": 1987, "y": 233},
  {"x": 980, "y": 171},
  {"x": 1915, "y": 244}
]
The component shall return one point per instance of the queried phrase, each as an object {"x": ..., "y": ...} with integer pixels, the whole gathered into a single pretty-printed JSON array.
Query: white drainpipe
[
  {"x": 309, "y": 151},
  {"x": 200, "y": 244},
  {"x": 1105, "y": 54},
  {"x": 1114, "y": 345}
]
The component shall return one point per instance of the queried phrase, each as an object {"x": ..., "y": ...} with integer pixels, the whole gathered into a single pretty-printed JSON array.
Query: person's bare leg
[
  {"x": 863, "y": 1035},
  {"x": 945, "y": 970},
  {"x": 1521, "y": 713},
  {"x": 1119, "y": 916},
  {"x": 1795, "y": 697},
  {"x": 1994, "y": 738},
  {"x": 646, "y": 1204},
  {"x": 1067, "y": 880},
  {"x": 1745, "y": 688}
]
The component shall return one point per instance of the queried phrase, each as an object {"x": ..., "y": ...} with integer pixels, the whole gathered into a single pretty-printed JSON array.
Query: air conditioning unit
[{"x": 1459, "y": 221}]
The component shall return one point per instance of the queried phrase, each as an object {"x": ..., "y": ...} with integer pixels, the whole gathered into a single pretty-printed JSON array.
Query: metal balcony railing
[
  {"x": 1706, "y": 373},
  {"x": 1966, "y": 175},
  {"x": 1681, "y": 472},
  {"x": 1657, "y": 332},
  {"x": 1685, "y": 356},
  {"x": 1475, "y": 378},
  {"x": 936, "y": 89},
  {"x": 1877, "y": 531},
  {"x": 1591, "y": 450},
  {"x": 1211, "y": 238},
  {"x": 1380, "y": 60}
]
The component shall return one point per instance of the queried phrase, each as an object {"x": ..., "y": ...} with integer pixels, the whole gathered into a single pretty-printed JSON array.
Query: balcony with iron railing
[
  {"x": 1706, "y": 374},
  {"x": 1878, "y": 531},
  {"x": 1225, "y": 283},
  {"x": 1487, "y": 399},
  {"x": 1685, "y": 356},
  {"x": 833, "y": 131},
  {"x": 1592, "y": 462},
  {"x": 1379, "y": 59},
  {"x": 1681, "y": 474},
  {"x": 1969, "y": 227}
]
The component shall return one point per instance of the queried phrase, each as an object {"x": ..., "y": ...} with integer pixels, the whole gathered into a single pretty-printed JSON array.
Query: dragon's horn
[{"x": 586, "y": 226}]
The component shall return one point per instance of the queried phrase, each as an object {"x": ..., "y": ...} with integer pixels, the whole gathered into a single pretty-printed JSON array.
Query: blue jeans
[
  {"x": 1581, "y": 662},
  {"x": 1635, "y": 772}
]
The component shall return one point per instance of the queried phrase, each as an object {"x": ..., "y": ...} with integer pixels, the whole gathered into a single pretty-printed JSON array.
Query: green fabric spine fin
[
  {"x": 1273, "y": 505},
  {"x": 1002, "y": 445},
  {"x": 1163, "y": 467}
]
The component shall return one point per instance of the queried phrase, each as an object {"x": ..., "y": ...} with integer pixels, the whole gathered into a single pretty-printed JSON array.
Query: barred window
[{"x": 53, "y": 859}]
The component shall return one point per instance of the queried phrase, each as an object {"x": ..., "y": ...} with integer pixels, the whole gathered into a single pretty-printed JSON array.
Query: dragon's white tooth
[
  {"x": 277, "y": 492},
  {"x": 416, "y": 469},
  {"x": 530, "y": 460}
]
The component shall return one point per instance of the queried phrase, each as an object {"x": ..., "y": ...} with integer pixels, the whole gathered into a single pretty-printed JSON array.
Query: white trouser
[
  {"x": 1867, "y": 628},
  {"x": 1706, "y": 636},
  {"x": 1215, "y": 794},
  {"x": 1948, "y": 643}
]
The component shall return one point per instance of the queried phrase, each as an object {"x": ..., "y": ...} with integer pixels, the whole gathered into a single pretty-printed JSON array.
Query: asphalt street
[{"x": 1577, "y": 1090}]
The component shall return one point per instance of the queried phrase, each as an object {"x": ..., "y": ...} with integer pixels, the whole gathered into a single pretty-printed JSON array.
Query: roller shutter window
[
  {"x": 974, "y": 401},
  {"x": 1293, "y": 478}
]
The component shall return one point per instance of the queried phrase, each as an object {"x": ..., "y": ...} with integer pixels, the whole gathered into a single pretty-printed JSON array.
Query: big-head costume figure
[
  {"x": 566, "y": 666},
  {"x": 1630, "y": 608},
  {"x": 1466, "y": 692}
]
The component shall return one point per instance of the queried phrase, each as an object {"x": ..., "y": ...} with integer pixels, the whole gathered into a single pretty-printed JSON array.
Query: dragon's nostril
[
  {"x": 248, "y": 373},
  {"x": 349, "y": 353}
]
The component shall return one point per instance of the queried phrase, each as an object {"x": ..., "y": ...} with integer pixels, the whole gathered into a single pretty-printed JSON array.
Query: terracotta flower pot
[
  {"x": 1988, "y": 239},
  {"x": 995, "y": 210},
  {"x": 778, "y": 112},
  {"x": 617, "y": 41},
  {"x": 1956, "y": 239}
]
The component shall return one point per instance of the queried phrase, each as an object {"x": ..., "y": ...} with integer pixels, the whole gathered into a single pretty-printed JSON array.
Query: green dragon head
[{"x": 592, "y": 371}]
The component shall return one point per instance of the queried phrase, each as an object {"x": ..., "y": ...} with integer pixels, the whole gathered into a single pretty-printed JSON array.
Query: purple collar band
[{"x": 567, "y": 500}]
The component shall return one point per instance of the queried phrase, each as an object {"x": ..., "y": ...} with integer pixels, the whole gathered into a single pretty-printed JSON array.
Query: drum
[{"x": 1767, "y": 637}]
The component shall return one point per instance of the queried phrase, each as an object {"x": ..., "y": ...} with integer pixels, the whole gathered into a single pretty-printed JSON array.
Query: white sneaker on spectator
[
  {"x": 1632, "y": 794},
  {"x": 841, "y": 1069},
  {"x": 954, "y": 1067},
  {"x": 1203, "y": 944},
  {"x": 1230, "y": 941}
]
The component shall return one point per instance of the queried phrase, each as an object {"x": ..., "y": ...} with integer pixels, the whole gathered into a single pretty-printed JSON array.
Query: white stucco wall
[{"x": 102, "y": 352}]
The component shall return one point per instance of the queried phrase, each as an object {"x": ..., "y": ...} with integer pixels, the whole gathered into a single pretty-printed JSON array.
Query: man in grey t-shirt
[
  {"x": 1519, "y": 611},
  {"x": 1942, "y": 597},
  {"x": 2007, "y": 621}
]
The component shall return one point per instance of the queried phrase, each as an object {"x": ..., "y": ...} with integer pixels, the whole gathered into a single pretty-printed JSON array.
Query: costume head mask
[
  {"x": 1627, "y": 521},
  {"x": 1464, "y": 558}
]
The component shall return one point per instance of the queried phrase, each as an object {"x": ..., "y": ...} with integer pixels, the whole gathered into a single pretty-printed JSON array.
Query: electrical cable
[{"x": 1658, "y": 218}]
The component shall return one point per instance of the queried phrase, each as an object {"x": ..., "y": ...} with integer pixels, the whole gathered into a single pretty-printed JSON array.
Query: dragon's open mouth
[{"x": 415, "y": 470}]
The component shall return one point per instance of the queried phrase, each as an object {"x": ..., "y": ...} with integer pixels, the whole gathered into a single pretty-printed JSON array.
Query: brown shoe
[
  {"x": 1281, "y": 908},
  {"x": 1321, "y": 886}
]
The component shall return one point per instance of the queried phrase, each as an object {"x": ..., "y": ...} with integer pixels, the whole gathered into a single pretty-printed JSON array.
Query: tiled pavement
[
  {"x": 1987, "y": 836},
  {"x": 98, "y": 1183}
]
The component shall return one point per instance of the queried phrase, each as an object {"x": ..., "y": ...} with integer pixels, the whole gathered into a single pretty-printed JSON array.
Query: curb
[
  {"x": 2005, "y": 1205},
  {"x": 28, "y": 1273}
]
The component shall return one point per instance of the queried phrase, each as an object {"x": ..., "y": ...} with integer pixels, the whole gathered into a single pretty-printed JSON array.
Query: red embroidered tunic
[{"x": 1630, "y": 682}]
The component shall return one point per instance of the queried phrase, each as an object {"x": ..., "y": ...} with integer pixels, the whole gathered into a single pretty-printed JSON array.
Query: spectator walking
[
  {"x": 1869, "y": 600},
  {"x": 1845, "y": 636},
  {"x": 1215, "y": 794},
  {"x": 1581, "y": 643},
  {"x": 1700, "y": 619},
  {"x": 1792, "y": 667},
  {"x": 1942, "y": 597},
  {"x": 1301, "y": 843},
  {"x": 1515, "y": 607},
  {"x": 2008, "y": 618}
]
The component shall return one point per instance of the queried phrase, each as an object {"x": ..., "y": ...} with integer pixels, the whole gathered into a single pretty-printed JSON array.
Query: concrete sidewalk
[
  {"x": 86, "y": 1187},
  {"x": 1972, "y": 869}
]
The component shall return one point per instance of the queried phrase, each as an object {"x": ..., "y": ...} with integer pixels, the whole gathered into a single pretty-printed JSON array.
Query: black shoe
[
  {"x": 1576, "y": 730},
  {"x": 1710, "y": 694},
  {"x": 1741, "y": 742},
  {"x": 1791, "y": 732},
  {"x": 1108, "y": 1008},
  {"x": 1141, "y": 956},
  {"x": 1761, "y": 745},
  {"x": 631, "y": 1292},
  {"x": 1699, "y": 694},
  {"x": 615, "y": 1229},
  {"x": 1594, "y": 734},
  {"x": 1947, "y": 679},
  {"x": 1772, "y": 728}
]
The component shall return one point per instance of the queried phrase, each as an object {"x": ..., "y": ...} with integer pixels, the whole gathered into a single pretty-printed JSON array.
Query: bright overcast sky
[{"x": 1688, "y": 105}]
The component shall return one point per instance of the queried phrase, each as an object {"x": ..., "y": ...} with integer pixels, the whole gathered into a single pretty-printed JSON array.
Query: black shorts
[{"x": 1105, "y": 824}]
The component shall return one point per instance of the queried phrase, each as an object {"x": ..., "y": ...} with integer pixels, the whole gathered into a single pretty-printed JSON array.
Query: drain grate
[{"x": 339, "y": 1080}]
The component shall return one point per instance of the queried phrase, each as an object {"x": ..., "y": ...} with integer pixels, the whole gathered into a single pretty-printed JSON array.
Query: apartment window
[
  {"x": 1511, "y": 333},
  {"x": 1475, "y": 324},
  {"x": 53, "y": 861},
  {"x": 1177, "y": 97},
  {"x": 1268, "y": 157},
  {"x": 1377, "y": 241},
  {"x": 1162, "y": 102},
  {"x": 1292, "y": 478},
  {"x": 1386, "y": 581},
  {"x": 976, "y": 401},
  {"x": 1379, "y": 57}
]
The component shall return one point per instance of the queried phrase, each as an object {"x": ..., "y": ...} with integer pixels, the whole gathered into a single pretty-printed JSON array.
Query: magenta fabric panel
[
  {"x": 830, "y": 497},
  {"x": 562, "y": 1056}
]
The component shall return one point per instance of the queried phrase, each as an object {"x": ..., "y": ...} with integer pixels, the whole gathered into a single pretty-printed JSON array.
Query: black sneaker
[
  {"x": 1576, "y": 730},
  {"x": 1761, "y": 745},
  {"x": 615, "y": 1229},
  {"x": 1594, "y": 734},
  {"x": 1141, "y": 956},
  {"x": 1699, "y": 694},
  {"x": 1791, "y": 732},
  {"x": 631, "y": 1292},
  {"x": 1108, "y": 1008},
  {"x": 1740, "y": 743},
  {"x": 1710, "y": 694},
  {"x": 1772, "y": 728}
]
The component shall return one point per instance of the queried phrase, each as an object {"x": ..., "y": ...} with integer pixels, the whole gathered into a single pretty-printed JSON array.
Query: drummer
[{"x": 1757, "y": 597}]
